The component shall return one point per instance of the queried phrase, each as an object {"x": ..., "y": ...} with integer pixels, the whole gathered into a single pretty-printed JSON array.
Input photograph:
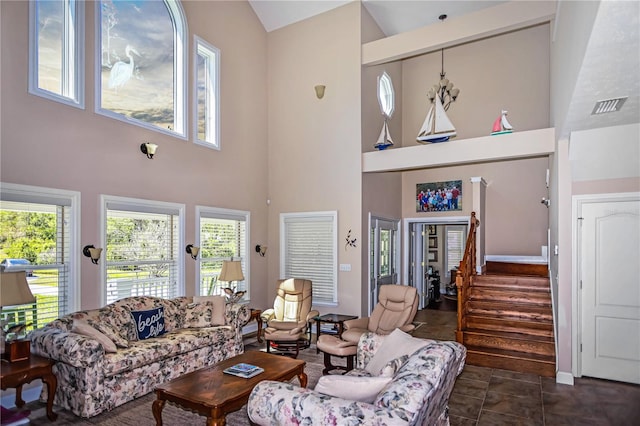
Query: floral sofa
[
  {"x": 416, "y": 391},
  {"x": 97, "y": 373}
]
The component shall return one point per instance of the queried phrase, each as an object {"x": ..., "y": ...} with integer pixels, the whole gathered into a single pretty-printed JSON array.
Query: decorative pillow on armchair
[{"x": 149, "y": 323}]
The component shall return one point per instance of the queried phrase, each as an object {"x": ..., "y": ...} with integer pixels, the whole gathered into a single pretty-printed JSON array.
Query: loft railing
[{"x": 466, "y": 270}]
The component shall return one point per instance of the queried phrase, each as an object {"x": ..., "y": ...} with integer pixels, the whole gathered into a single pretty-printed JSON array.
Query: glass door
[{"x": 384, "y": 243}]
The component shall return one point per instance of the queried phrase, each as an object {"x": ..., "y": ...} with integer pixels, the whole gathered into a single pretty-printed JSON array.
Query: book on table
[{"x": 244, "y": 370}]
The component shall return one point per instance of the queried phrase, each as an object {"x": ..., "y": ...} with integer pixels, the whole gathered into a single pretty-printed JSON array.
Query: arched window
[{"x": 141, "y": 75}]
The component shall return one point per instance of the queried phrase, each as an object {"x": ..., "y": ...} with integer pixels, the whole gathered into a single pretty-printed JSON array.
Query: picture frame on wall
[
  {"x": 433, "y": 256},
  {"x": 439, "y": 196},
  {"x": 433, "y": 242},
  {"x": 432, "y": 229}
]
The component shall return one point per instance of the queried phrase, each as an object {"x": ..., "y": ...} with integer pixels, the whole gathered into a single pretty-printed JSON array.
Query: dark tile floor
[{"x": 485, "y": 396}]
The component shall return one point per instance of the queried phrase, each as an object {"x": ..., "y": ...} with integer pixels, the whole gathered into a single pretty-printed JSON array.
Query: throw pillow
[
  {"x": 106, "y": 329},
  {"x": 83, "y": 328},
  {"x": 149, "y": 323},
  {"x": 354, "y": 388},
  {"x": 219, "y": 306},
  {"x": 395, "y": 345}
]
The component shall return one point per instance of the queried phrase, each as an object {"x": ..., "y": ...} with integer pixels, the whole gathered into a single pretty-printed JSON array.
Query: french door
[{"x": 383, "y": 256}]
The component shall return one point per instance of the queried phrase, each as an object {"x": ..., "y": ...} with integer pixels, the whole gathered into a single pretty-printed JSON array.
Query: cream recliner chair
[
  {"x": 396, "y": 308},
  {"x": 288, "y": 322}
]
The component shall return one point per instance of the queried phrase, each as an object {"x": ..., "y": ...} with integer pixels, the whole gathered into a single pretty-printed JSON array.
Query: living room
[{"x": 283, "y": 150}]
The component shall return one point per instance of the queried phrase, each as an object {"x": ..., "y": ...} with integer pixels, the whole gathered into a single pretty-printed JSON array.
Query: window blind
[{"x": 456, "y": 236}]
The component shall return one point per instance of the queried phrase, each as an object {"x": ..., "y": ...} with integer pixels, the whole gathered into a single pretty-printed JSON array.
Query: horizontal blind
[
  {"x": 141, "y": 254},
  {"x": 455, "y": 245},
  {"x": 309, "y": 253},
  {"x": 221, "y": 238}
]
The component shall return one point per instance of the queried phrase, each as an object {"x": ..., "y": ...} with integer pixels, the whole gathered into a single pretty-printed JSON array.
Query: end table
[{"x": 16, "y": 374}]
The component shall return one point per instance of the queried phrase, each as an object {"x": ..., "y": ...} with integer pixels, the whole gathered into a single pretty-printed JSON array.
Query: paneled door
[
  {"x": 609, "y": 300},
  {"x": 383, "y": 256}
]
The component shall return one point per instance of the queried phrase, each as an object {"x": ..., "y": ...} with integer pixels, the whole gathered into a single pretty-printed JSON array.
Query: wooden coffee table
[{"x": 212, "y": 393}]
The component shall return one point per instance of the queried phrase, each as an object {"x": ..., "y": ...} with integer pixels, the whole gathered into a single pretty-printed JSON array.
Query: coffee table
[{"x": 212, "y": 393}]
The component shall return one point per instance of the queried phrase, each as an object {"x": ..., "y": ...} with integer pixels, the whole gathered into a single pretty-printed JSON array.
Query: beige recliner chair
[
  {"x": 396, "y": 308},
  {"x": 288, "y": 323}
]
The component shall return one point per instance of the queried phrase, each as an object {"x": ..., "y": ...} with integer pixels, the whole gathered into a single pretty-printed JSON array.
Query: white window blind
[
  {"x": 309, "y": 251},
  {"x": 40, "y": 234},
  {"x": 456, "y": 240},
  {"x": 142, "y": 251},
  {"x": 223, "y": 236}
]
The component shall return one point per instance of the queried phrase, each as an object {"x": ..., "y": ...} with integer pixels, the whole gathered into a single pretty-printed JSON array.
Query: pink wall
[{"x": 51, "y": 145}]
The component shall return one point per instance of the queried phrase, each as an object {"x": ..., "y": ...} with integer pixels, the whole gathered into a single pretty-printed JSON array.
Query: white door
[
  {"x": 384, "y": 256},
  {"x": 610, "y": 296}
]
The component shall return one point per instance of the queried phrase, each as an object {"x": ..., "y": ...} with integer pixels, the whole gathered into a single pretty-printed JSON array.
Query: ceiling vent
[{"x": 609, "y": 105}]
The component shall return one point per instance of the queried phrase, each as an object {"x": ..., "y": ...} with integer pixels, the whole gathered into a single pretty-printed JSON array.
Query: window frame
[
  {"x": 333, "y": 216},
  {"x": 73, "y": 70},
  {"x": 112, "y": 202},
  {"x": 221, "y": 213},
  {"x": 53, "y": 196},
  {"x": 213, "y": 52},
  {"x": 181, "y": 40}
]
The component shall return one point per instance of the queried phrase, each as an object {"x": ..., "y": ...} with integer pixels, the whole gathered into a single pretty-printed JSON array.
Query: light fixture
[
  {"x": 93, "y": 253},
  {"x": 232, "y": 271},
  {"x": 444, "y": 88},
  {"x": 261, "y": 249},
  {"x": 14, "y": 290},
  {"x": 148, "y": 149},
  {"x": 320, "y": 90},
  {"x": 193, "y": 251}
]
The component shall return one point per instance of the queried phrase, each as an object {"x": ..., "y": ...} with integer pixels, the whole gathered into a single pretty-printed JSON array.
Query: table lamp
[
  {"x": 232, "y": 271},
  {"x": 14, "y": 291}
]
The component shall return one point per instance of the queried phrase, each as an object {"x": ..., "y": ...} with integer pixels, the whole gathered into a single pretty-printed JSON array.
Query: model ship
[
  {"x": 436, "y": 127},
  {"x": 501, "y": 125},
  {"x": 384, "y": 140}
]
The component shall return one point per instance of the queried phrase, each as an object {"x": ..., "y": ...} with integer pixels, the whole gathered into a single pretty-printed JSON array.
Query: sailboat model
[
  {"x": 501, "y": 125},
  {"x": 436, "y": 127},
  {"x": 384, "y": 140}
]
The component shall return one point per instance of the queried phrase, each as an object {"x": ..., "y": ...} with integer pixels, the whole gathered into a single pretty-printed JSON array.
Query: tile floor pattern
[{"x": 490, "y": 397}]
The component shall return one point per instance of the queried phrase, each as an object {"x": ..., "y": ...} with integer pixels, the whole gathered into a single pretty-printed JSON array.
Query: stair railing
[{"x": 466, "y": 270}]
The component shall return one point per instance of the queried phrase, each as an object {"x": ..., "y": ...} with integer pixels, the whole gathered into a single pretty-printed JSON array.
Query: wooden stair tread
[
  {"x": 511, "y": 296},
  {"x": 502, "y": 353},
  {"x": 538, "y": 328},
  {"x": 511, "y": 335}
]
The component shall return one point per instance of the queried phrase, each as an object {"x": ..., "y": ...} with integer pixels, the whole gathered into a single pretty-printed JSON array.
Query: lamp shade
[
  {"x": 14, "y": 289},
  {"x": 231, "y": 271}
]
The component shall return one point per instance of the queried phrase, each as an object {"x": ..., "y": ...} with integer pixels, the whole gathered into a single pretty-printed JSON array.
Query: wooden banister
[{"x": 466, "y": 270}]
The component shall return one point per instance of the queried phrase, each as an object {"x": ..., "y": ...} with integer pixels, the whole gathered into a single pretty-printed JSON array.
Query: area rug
[{"x": 138, "y": 412}]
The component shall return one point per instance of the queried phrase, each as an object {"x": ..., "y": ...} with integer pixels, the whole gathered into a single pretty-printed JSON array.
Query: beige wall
[
  {"x": 509, "y": 72},
  {"x": 47, "y": 144},
  {"x": 314, "y": 144},
  {"x": 515, "y": 222}
]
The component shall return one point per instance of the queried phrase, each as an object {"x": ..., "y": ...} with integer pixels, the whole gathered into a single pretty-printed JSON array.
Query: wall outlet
[{"x": 345, "y": 267}]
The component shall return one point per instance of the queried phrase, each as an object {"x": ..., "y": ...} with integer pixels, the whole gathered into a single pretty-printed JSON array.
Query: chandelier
[{"x": 444, "y": 88}]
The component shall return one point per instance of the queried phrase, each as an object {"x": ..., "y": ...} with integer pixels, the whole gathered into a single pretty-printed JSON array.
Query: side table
[
  {"x": 255, "y": 315},
  {"x": 336, "y": 319},
  {"x": 16, "y": 374}
]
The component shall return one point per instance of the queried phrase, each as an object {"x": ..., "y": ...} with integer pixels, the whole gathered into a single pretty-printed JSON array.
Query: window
[
  {"x": 142, "y": 250},
  {"x": 56, "y": 50},
  {"x": 223, "y": 235},
  {"x": 386, "y": 95},
  {"x": 38, "y": 234},
  {"x": 308, "y": 249},
  {"x": 141, "y": 65},
  {"x": 207, "y": 97},
  {"x": 455, "y": 242}
]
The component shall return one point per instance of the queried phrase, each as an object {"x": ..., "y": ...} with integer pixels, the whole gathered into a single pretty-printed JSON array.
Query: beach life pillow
[
  {"x": 83, "y": 328},
  {"x": 395, "y": 345},
  {"x": 149, "y": 323},
  {"x": 354, "y": 388},
  {"x": 218, "y": 304}
]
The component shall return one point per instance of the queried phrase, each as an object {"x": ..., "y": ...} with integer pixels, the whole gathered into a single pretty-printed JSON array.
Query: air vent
[{"x": 609, "y": 105}]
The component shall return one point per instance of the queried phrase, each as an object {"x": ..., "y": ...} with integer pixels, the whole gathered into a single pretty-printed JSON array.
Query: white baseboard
[
  {"x": 516, "y": 259},
  {"x": 564, "y": 378}
]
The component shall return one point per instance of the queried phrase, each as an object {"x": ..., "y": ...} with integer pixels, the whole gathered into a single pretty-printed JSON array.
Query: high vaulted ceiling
[{"x": 610, "y": 65}]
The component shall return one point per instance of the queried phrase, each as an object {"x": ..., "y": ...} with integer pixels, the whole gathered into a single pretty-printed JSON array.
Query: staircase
[{"x": 508, "y": 319}]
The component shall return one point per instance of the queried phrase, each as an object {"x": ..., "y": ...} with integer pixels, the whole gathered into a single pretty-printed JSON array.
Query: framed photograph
[
  {"x": 432, "y": 230},
  {"x": 439, "y": 196},
  {"x": 433, "y": 256},
  {"x": 433, "y": 242}
]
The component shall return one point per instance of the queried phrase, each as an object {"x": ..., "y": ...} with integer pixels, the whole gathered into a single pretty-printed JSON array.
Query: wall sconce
[
  {"x": 193, "y": 251},
  {"x": 261, "y": 249},
  {"x": 148, "y": 149},
  {"x": 93, "y": 253},
  {"x": 320, "y": 90}
]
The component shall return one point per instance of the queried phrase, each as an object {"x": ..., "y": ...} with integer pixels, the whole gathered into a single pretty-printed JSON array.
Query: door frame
[
  {"x": 396, "y": 259},
  {"x": 576, "y": 262}
]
